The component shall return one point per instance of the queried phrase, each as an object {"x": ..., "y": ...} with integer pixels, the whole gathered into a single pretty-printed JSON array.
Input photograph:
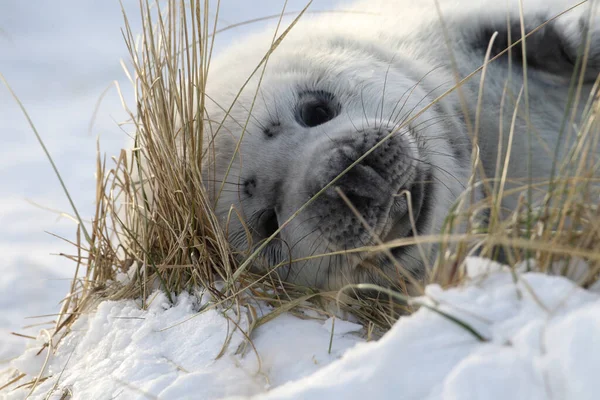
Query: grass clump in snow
[{"x": 154, "y": 222}]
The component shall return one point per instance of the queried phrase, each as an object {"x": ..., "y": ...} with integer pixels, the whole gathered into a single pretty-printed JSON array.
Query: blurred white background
[{"x": 59, "y": 57}]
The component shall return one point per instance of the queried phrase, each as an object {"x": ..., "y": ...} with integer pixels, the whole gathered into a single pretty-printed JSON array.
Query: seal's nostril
[{"x": 357, "y": 201}]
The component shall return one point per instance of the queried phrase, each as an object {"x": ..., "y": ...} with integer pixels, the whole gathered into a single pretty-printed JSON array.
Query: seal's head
[{"x": 323, "y": 101}]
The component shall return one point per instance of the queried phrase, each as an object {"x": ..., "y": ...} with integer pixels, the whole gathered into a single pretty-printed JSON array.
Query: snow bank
[
  {"x": 174, "y": 352},
  {"x": 542, "y": 341}
]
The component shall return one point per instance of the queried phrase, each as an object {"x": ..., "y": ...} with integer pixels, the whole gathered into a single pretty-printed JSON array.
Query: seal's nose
[
  {"x": 371, "y": 184},
  {"x": 362, "y": 184}
]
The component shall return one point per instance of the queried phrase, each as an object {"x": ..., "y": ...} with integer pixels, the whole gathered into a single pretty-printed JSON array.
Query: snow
[
  {"x": 541, "y": 342},
  {"x": 340, "y": 327},
  {"x": 174, "y": 352}
]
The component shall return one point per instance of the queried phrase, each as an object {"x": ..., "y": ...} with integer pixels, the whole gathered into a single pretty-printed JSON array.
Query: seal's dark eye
[
  {"x": 267, "y": 223},
  {"x": 316, "y": 108}
]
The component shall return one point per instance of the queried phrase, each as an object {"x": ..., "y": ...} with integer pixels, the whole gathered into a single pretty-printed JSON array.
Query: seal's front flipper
[{"x": 554, "y": 46}]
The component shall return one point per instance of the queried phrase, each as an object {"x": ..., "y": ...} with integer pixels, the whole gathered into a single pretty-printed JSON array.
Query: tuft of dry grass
[{"x": 154, "y": 221}]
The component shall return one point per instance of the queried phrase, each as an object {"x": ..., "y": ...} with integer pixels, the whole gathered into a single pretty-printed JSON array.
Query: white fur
[{"x": 395, "y": 50}]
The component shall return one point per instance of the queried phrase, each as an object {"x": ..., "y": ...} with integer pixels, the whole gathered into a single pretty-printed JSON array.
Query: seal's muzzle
[{"x": 373, "y": 186}]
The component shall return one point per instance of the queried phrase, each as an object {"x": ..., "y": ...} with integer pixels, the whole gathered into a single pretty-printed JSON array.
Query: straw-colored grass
[{"x": 154, "y": 220}]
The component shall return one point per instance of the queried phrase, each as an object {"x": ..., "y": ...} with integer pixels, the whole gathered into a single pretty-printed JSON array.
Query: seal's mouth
[
  {"x": 403, "y": 225},
  {"x": 406, "y": 216}
]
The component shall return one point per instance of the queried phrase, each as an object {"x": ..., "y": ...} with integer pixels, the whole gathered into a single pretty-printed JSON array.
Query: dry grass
[{"x": 154, "y": 221}]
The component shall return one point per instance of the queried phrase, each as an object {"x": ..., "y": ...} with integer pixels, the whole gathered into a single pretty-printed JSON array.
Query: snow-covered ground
[
  {"x": 59, "y": 57},
  {"x": 540, "y": 342}
]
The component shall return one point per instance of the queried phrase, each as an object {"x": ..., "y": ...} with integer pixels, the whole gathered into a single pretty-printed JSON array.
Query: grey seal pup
[{"x": 344, "y": 84}]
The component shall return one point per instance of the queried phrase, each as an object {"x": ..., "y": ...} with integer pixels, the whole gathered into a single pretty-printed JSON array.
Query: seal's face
[{"x": 300, "y": 126}]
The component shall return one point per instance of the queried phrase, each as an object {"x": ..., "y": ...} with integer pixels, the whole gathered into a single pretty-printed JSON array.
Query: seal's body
[{"x": 346, "y": 84}]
